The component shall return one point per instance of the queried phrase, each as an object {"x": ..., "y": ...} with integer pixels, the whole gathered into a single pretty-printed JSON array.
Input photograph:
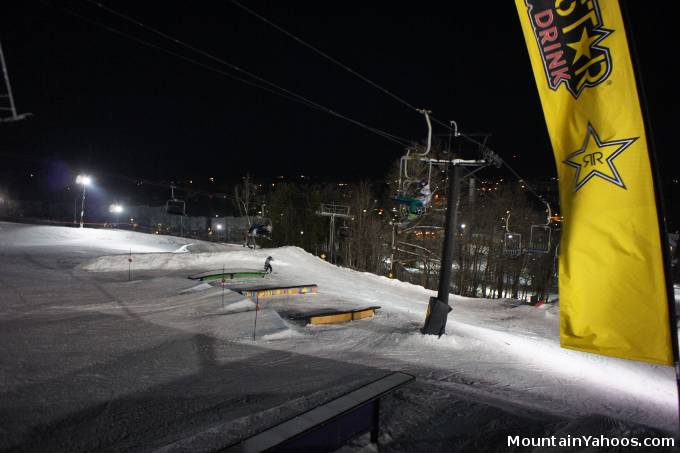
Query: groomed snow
[{"x": 78, "y": 336}]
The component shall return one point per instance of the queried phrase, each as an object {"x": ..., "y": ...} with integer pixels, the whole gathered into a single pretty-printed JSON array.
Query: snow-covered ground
[{"x": 90, "y": 360}]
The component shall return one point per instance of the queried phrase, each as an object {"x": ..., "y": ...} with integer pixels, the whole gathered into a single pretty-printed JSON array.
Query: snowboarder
[
  {"x": 424, "y": 193},
  {"x": 268, "y": 265},
  {"x": 417, "y": 204}
]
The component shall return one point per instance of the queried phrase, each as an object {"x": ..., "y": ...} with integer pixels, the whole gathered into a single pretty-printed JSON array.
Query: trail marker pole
[
  {"x": 130, "y": 266},
  {"x": 257, "y": 308},
  {"x": 223, "y": 283}
]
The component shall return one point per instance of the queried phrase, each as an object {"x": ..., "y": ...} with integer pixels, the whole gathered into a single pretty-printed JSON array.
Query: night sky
[{"x": 108, "y": 105}]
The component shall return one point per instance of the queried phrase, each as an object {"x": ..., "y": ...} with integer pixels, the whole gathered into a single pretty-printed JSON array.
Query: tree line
[{"x": 501, "y": 247}]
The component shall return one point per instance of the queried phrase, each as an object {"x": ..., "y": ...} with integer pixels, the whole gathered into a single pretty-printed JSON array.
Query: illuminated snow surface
[{"x": 92, "y": 361}]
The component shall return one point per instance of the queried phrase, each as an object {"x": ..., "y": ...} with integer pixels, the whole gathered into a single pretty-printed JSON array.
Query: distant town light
[{"x": 219, "y": 226}]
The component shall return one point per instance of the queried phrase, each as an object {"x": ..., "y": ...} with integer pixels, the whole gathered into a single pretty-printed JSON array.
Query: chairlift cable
[
  {"x": 293, "y": 96},
  {"x": 323, "y": 54},
  {"x": 297, "y": 97},
  {"x": 384, "y": 90}
]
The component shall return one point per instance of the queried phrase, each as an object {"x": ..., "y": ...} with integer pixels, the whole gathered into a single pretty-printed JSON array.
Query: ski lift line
[
  {"x": 162, "y": 49},
  {"x": 384, "y": 90},
  {"x": 496, "y": 156},
  {"x": 400, "y": 141},
  {"x": 471, "y": 173},
  {"x": 512, "y": 170},
  {"x": 325, "y": 55},
  {"x": 302, "y": 100},
  {"x": 299, "y": 98}
]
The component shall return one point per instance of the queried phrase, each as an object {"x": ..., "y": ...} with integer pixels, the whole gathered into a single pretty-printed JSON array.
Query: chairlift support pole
[
  {"x": 333, "y": 211},
  {"x": 449, "y": 234},
  {"x": 438, "y": 308},
  {"x": 331, "y": 238},
  {"x": 394, "y": 228},
  {"x": 12, "y": 107}
]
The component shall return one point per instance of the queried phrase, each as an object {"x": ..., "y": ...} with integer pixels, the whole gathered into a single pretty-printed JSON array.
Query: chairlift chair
[
  {"x": 512, "y": 242},
  {"x": 410, "y": 207},
  {"x": 404, "y": 178},
  {"x": 174, "y": 205},
  {"x": 539, "y": 239}
]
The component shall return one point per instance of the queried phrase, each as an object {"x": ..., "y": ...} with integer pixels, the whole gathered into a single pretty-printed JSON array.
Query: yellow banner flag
[{"x": 613, "y": 295}]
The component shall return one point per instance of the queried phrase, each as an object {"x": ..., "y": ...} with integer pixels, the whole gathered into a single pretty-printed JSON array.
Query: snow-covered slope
[
  {"x": 77, "y": 336},
  {"x": 512, "y": 351}
]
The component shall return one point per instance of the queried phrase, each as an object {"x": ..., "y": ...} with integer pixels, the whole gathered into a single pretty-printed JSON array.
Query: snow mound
[
  {"x": 17, "y": 235},
  {"x": 240, "y": 325},
  {"x": 197, "y": 288},
  {"x": 238, "y": 307},
  {"x": 283, "y": 335}
]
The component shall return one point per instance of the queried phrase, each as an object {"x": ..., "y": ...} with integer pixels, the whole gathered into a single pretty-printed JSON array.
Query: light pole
[{"x": 85, "y": 181}]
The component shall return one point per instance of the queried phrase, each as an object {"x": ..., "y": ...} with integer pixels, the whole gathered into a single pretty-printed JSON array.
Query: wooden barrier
[
  {"x": 281, "y": 291},
  {"x": 341, "y": 316}
]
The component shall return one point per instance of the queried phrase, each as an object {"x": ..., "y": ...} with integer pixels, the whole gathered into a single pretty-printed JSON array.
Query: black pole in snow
[
  {"x": 224, "y": 282},
  {"x": 449, "y": 234},
  {"x": 438, "y": 309},
  {"x": 257, "y": 308}
]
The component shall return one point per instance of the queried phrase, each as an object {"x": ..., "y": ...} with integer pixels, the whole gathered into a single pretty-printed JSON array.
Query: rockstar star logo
[
  {"x": 584, "y": 46},
  {"x": 596, "y": 158}
]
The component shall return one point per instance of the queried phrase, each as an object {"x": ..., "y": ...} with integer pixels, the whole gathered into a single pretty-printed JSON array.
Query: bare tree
[{"x": 244, "y": 197}]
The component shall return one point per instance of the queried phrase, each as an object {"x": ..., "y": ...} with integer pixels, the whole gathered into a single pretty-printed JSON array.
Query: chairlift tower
[
  {"x": 438, "y": 307},
  {"x": 332, "y": 211},
  {"x": 8, "y": 106}
]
